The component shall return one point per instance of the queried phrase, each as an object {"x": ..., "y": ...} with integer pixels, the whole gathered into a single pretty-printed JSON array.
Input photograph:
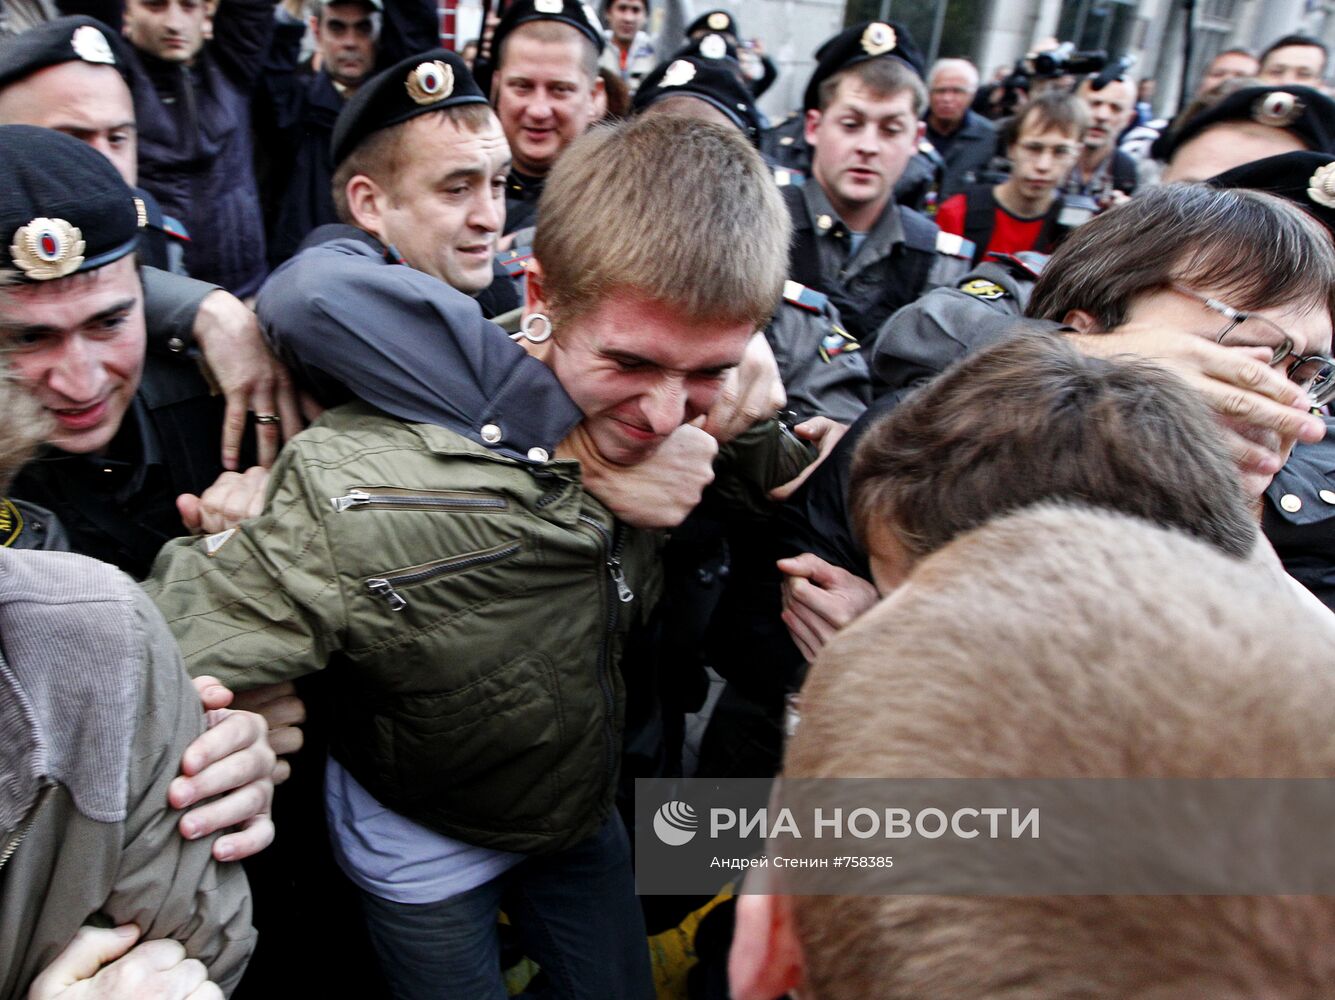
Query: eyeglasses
[
  {"x": 1314, "y": 373},
  {"x": 1061, "y": 152}
]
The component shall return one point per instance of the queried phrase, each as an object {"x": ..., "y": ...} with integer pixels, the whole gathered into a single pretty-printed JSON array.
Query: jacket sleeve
[
  {"x": 278, "y": 99},
  {"x": 241, "y": 33},
  {"x": 261, "y": 602},
  {"x": 171, "y": 302},
  {"x": 823, "y": 369},
  {"x": 169, "y": 886},
  {"x": 409, "y": 27}
]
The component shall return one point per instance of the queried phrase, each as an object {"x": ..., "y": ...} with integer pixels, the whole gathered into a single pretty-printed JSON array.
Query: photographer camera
[{"x": 1023, "y": 211}]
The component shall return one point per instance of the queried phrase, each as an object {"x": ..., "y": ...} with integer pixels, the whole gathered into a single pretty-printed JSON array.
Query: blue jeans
[{"x": 574, "y": 912}]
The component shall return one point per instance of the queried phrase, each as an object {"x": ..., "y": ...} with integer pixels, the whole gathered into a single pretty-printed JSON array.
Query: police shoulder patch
[
  {"x": 11, "y": 523},
  {"x": 797, "y": 294},
  {"x": 515, "y": 261},
  {"x": 838, "y": 341},
  {"x": 981, "y": 288},
  {"x": 954, "y": 245}
]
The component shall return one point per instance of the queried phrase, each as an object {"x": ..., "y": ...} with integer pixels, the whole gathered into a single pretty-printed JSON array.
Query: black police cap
[
  {"x": 710, "y": 46},
  {"x": 715, "y": 20},
  {"x": 575, "y": 13},
  {"x": 868, "y": 40},
  {"x": 1305, "y": 178},
  {"x": 1308, "y": 114},
  {"x": 430, "y": 81},
  {"x": 63, "y": 207},
  {"x": 716, "y": 81},
  {"x": 66, "y": 39}
]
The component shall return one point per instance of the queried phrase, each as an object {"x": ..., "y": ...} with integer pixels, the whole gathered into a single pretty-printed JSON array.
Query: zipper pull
[
  {"x": 624, "y": 593},
  {"x": 353, "y": 499},
  {"x": 381, "y": 587}
]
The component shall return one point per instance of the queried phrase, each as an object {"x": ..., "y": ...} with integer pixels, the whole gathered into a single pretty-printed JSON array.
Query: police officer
[
  {"x": 852, "y": 241},
  {"x": 758, "y": 69}
]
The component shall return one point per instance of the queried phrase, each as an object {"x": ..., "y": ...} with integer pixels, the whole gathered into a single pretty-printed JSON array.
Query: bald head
[{"x": 89, "y": 102}]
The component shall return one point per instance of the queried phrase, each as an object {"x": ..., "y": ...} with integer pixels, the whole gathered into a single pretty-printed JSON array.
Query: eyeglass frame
[{"x": 1236, "y": 317}]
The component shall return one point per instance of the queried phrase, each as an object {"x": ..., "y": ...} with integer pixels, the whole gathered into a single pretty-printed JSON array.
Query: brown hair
[
  {"x": 884, "y": 77},
  {"x": 1252, "y": 250},
  {"x": 680, "y": 210},
  {"x": 1056, "y": 109},
  {"x": 381, "y": 154},
  {"x": 1072, "y": 644},
  {"x": 1032, "y": 419}
]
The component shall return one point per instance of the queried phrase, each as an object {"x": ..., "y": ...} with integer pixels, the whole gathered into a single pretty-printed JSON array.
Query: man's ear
[
  {"x": 922, "y": 134},
  {"x": 599, "y": 98},
  {"x": 766, "y": 959},
  {"x": 813, "y": 122},
  {"x": 366, "y": 204},
  {"x": 534, "y": 300},
  {"x": 1082, "y": 322}
]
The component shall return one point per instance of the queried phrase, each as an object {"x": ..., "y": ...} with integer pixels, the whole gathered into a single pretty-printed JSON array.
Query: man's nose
[
  {"x": 665, "y": 407},
  {"x": 78, "y": 375}
]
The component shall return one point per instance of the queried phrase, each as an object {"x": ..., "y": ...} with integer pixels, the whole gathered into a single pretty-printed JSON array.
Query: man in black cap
[
  {"x": 1249, "y": 124},
  {"x": 546, "y": 90},
  {"x": 295, "y": 110},
  {"x": 851, "y": 240},
  {"x": 758, "y": 69},
  {"x": 70, "y": 75}
]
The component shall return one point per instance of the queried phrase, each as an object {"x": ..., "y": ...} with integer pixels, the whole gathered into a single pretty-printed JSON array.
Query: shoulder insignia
[
  {"x": 797, "y": 294},
  {"x": 838, "y": 341},
  {"x": 981, "y": 288},
  {"x": 786, "y": 177},
  {"x": 954, "y": 245},
  {"x": 175, "y": 229},
  {"x": 515, "y": 261},
  {"x": 11, "y": 523}
]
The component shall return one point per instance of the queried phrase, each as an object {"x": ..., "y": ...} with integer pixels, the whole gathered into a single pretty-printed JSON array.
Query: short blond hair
[
  {"x": 1069, "y": 643},
  {"x": 680, "y": 211}
]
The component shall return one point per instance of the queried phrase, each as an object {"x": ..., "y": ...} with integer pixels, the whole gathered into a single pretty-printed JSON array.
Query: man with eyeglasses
[{"x": 1023, "y": 212}]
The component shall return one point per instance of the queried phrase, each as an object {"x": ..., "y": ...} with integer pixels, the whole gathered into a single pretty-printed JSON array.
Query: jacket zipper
[
  {"x": 22, "y": 831},
  {"x": 613, "y": 542},
  {"x": 385, "y": 586},
  {"x": 361, "y": 498}
]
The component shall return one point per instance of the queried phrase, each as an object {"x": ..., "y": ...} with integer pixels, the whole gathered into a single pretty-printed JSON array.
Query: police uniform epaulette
[
  {"x": 798, "y": 294},
  {"x": 1028, "y": 263},
  {"x": 954, "y": 245},
  {"x": 175, "y": 229},
  {"x": 515, "y": 261},
  {"x": 787, "y": 177}
]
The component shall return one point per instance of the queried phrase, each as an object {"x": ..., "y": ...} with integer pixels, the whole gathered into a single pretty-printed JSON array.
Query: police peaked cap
[
  {"x": 1307, "y": 179},
  {"x": 574, "y": 13},
  {"x": 418, "y": 85},
  {"x": 64, "y": 208},
  {"x": 66, "y": 39},
  {"x": 868, "y": 40},
  {"x": 715, "y": 20},
  {"x": 715, "y": 81},
  {"x": 1307, "y": 113}
]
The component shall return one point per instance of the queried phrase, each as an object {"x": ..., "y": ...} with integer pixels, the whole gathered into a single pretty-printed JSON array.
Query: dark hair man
[
  {"x": 630, "y": 52},
  {"x": 1103, "y": 171},
  {"x": 1228, "y": 65},
  {"x": 852, "y": 241},
  {"x": 1023, "y": 212},
  {"x": 192, "y": 108},
  {"x": 1294, "y": 59}
]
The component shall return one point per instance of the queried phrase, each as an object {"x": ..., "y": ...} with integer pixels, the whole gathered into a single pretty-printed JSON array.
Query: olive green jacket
[{"x": 471, "y": 606}]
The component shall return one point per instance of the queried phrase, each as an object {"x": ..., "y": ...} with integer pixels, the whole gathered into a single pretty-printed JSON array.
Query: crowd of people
[{"x": 398, "y": 449}]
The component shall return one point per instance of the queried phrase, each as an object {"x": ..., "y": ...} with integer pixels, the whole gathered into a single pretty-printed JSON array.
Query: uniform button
[
  {"x": 824, "y": 223},
  {"x": 537, "y": 455},
  {"x": 787, "y": 140},
  {"x": 491, "y": 433},
  {"x": 1327, "y": 496},
  {"x": 176, "y": 345},
  {"x": 1290, "y": 503}
]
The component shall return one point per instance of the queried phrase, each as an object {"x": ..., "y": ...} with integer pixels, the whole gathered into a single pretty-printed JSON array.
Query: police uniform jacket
[
  {"x": 898, "y": 262},
  {"x": 1299, "y": 515},
  {"x": 195, "y": 149},
  {"x": 822, "y": 366}
]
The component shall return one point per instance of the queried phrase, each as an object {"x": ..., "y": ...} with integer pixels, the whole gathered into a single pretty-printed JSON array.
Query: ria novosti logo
[{"x": 675, "y": 823}]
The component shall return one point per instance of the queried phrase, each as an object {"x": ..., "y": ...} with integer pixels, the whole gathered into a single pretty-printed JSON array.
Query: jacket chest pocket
[{"x": 389, "y": 586}]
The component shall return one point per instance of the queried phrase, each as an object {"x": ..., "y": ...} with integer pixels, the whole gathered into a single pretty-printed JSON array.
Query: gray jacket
[{"x": 95, "y": 713}]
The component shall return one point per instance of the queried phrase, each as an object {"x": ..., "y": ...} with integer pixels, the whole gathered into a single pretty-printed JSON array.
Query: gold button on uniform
[{"x": 1290, "y": 503}]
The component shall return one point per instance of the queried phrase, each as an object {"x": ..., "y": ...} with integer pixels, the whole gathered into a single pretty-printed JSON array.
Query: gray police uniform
[
  {"x": 903, "y": 256},
  {"x": 822, "y": 365}
]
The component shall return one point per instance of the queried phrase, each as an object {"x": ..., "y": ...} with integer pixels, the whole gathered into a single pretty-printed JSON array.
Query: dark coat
[
  {"x": 968, "y": 152},
  {"x": 195, "y": 149}
]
